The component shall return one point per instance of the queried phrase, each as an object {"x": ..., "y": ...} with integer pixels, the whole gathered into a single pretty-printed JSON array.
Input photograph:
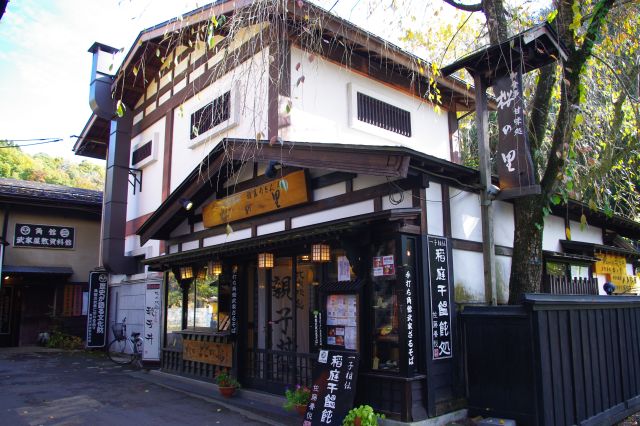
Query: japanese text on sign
[
  {"x": 515, "y": 167},
  {"x": 408, "y": 285},
  {"x": 234, "y": 300},
  {"x": 97, "y": 313},
  {"x": 334, "y": 384},
  {"x": 43, "y": 236},
  {"x": 440, "y": 297},
  {"x": 152, "y": 312}
]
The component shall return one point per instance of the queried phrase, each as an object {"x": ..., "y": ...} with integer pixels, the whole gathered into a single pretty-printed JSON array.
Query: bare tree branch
[{"x": 466, "y": 7}]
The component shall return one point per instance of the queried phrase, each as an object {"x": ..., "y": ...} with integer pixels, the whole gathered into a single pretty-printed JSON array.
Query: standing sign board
[
  {"x": 152, "y": 312},
  {"x": 97, "y": 314},
  {"x": 334, "y": 387},
  {"x": 234, "y": 301},
  {"x": 440, "y": 283}
]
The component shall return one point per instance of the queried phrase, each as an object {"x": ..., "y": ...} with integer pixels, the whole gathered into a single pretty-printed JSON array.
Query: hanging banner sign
[
  {"x": 515, "y": 167},
  {"x": 408, "y": 278},
  {"x": 334, "y": 388},
  {"x": 97, "y": 314},
  {"x": 440, "y": 283},
  {"x": 43, "y": 236},
  {"x": 265, "y": 198},
  {"x": 233, "y": 329},
  {"x": 152, "y": 313}
]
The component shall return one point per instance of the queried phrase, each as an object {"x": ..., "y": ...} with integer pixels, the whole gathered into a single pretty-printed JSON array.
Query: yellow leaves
[
  {"x": 567, "y": 233},
  {"x": 135, "y": 71},
  {"x": 120, "y": 108}
]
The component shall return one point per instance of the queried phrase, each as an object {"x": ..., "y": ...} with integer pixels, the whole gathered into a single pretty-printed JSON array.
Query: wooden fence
[
  {"x": 555, "y": 360},
  {"x": 553, "y": 284}
]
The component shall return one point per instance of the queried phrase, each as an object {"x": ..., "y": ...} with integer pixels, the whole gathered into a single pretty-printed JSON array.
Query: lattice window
[
  {"x": 384, "y": 115},
  {"x": 211, "y": 115}
]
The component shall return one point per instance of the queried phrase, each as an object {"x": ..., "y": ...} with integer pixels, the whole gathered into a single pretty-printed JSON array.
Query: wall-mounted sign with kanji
[
  {"x": 440, "y": 283},
  {"x": 97, "y": 313},
  {"x": 44, "y": 236},
  {"x": 334, "y": 387},
  {"x": 271, "y": 196}
]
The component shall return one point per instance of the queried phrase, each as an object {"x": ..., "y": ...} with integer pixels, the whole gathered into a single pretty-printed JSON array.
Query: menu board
[{"x": 342, "y": 325}]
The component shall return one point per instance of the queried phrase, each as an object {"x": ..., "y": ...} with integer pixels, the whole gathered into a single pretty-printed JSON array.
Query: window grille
[
  {"x": 384, "y": 115},
  {"x": 141, "y": 153},
  {"x": 210, "y": 115}
]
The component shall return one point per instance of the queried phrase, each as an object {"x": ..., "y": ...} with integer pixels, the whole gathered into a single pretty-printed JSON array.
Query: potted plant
[
  {"x": 227, "y": 384},
  {"x": 362, "y": 415},
  {"x": 297, "y": 399}
]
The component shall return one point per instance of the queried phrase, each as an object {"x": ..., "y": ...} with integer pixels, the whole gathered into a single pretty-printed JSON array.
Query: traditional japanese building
[
  {"x": 288, "y": 194},
  {"x": 50, "y": 236}
]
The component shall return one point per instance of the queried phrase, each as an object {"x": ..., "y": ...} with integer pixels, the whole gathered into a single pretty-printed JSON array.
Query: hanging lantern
[
  {"x": 265, "y": 260},
  {"x": 214, "y": 268},
  {"x": 320, "y": 253},
  {"x": 186, "y": 272}
]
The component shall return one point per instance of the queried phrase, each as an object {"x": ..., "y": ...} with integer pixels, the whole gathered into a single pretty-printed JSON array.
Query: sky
[{"x": 45, "y": 67}]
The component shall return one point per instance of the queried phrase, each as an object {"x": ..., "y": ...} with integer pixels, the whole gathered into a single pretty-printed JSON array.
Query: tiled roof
[{"x": 26, "y": 190}]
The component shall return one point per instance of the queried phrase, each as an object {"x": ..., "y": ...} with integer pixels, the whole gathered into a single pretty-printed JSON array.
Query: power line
[{"x": 35, "y": 141}]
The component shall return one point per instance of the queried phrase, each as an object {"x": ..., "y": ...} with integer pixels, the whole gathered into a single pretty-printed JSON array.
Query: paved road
[{"x": 75, "y": 388}]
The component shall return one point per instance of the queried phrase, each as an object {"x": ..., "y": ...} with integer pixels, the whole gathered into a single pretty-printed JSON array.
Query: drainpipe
[
  {"x": 3, "y": 241},
  {"x": 114, "y": 207}
]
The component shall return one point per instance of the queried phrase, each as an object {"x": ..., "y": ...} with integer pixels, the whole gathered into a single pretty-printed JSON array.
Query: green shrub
[
  {"x": 368, "y": 417},
  {"x": 61, "y": 340}
]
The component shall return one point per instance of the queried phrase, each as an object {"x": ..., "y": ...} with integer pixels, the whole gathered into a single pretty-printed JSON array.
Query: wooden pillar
[{"x": 488, "y": 246}]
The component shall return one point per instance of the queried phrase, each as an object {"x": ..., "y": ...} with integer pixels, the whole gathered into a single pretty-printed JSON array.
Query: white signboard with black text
[{"x": 152, "y": 314}]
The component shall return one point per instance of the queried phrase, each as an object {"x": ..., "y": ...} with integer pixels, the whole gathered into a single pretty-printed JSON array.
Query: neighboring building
[
  {"x": 322, "y": 231},
  {"x": 51, "y": 237}
]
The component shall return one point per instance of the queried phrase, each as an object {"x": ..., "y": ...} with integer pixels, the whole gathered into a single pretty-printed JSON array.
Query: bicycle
[{"x": 123, "y": 350}]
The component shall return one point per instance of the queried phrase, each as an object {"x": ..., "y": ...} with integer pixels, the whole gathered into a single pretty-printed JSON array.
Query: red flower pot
[
  {"x": 301, "y": 409},
  {"x": 227, "y": 392}
]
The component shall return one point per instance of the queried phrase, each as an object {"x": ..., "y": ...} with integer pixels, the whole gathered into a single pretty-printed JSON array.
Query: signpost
[
  {"x": 334, "y": 388},
  {"x": 152, "y": 314},
  {"x": 44, "y": 236},
  {"x": 98, "y": 308}
]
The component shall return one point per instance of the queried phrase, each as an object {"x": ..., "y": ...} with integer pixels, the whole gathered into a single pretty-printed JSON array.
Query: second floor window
[
  {"x": 211, "y": 115},
  {"x": 386, "y": 116}
]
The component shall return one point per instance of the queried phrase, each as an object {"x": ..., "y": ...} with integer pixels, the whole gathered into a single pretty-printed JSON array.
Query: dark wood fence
[
  {"x": 555, "y": 360},
  {"x": 562, "y": 285}
]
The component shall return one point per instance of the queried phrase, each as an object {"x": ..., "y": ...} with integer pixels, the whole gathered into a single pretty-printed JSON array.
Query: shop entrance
[{"x": 281, "y": 300}]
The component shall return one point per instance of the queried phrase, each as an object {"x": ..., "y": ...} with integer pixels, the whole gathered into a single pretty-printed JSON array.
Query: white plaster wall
[
  {"x": 590, "y": 234},
  {"x": 190, "y": 245},
  {"x": 329, "y": 191},
  {"x": 132, "y": 245},
  {"x": 270, "y": 228},
  {"x": 466, "y": 221},
  {"x": 435, "y": 217},
  {"x": 251, "y": 79},
  {"x": 148, "y": 200},
  {"x": 333, "y": 214},
  {"x": 181, "y": 229},
  {"x": 468, "y": 276},
  {"x": 503, "y": 272},
  {"x": 503, "y": 224},
  {"x": 127, "y": 300},
  {"x": 224, "y": 238},
  {"x": 320, "y": 110},
  {"x": 553, "y": 233},
  {"x": 365, "y": 181},
  {"x": 397, "y": 200}
]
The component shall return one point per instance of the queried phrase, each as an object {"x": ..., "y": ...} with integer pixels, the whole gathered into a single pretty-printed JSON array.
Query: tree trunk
[{"x": 526, "y": 262}]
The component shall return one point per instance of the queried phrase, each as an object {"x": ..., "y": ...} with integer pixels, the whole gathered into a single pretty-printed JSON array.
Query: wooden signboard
[
  {"x": 208, "y": 352},
  {"x": 257, "y": 200}
]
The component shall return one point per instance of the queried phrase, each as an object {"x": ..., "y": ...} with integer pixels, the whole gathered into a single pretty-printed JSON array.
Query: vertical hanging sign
[
  {"x": 97, "y": 313},
  {"x": 152, "y": 313},
  {"x": 440, "y": 284},
  {"x": 234, "y": 301},
  {"x": 408, "y": 286},
  {"x": 515, "y": 167}
]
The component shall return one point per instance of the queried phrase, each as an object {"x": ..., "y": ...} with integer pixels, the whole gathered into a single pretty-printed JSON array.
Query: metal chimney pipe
[{"x": 114, "y": 207}]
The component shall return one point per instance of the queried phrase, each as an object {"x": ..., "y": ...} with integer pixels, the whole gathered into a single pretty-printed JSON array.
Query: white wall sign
[{"x": 152, "y": 314}]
